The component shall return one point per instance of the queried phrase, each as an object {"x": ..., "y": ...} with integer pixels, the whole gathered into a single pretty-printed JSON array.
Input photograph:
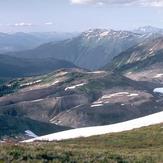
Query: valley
[
  {"x": 79, "y": 98},
  {"x": 81, "y": 81},
  {"x": 13, "y": 67},
  {"x": 85, "y": 50},
  {"x": 84, "y": 86},
  {"x": 19, "y": 41}
]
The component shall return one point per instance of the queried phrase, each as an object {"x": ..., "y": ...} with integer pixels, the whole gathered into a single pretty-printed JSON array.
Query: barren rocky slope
[
  {"x": 143, "y": 62},
  {"x": 77, "y": 98}
]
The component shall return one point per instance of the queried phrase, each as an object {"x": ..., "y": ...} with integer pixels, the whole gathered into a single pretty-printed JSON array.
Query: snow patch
[
  {"x": 97, "y": 72},
  {"x": 30, "y": 83},
  {"x": 61, "y": 73},
  {"x": 37, "y": 100},
  {"x": 74, "y": 86},
  {"x": 114, "y": 95},
  {"x": 56, "y": 82},
  {"x": 158, "y": 90},
  {"x": 158, "y": 76},
  {"x": 30, "y": 134},
  {"x": 103, "y": 34},
  {"x": 133, "y": 95},
  {"x": 105, "y": 99},
  {"x": 152, "y": 119},
  {"x": 96, "y": 105}
]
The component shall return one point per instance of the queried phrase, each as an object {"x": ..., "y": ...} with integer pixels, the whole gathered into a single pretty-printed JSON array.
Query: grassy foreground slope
[{"x": 139, "y": 145}]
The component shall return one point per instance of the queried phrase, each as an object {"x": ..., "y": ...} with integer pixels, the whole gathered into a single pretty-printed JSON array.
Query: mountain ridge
[
  {"x": 20, "y": 41},
  {"x": 140, "y": 60},
  {"x": 11, "y": 67},
  {"x": 86, "y": 49}
]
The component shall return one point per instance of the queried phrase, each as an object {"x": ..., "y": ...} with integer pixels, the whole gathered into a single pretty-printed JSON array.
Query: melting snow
[
  {"x": 30, "y": 83},
  {"x": 62, "y": 73},
  {"x": 96, "y": 105},
  {"x": 158, "y": 90},
  {"x": 30, "y": 134},
  {"x": 37, "y": 100},
  {"x": 100, "y": 130},
  {"x": 133, "y": 95},
  {"x": 114, "y": 95},
  {"x": 97, "y": 72},
  {"x": 105, "y": 99},
  {"x": 56, "y": 82},
  {"x": 103, "y": 34},
  {"x": 74, "y": 86},
  {"x": 158, "y": 76},
  {"x": 151, "y": 52}
]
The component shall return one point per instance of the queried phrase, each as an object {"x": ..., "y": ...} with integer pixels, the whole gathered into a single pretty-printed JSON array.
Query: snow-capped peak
[
  {"x": 148, "y": 29},
  {"x": 91, "y": 33},
  {"x": 99, "y": 34}
]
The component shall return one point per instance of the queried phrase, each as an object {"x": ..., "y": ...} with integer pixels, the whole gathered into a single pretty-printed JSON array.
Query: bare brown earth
[
  {"x": 76, "y": 98},
  {"x": 152, "y": 74},
  {"x": 143, "y": 62}
]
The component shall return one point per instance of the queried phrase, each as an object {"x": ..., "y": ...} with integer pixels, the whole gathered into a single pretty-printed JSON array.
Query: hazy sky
[{"x": 78, "y": 15}]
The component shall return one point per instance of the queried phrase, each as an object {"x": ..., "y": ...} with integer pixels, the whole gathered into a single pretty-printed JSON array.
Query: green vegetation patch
[
  {"x": 143, "y": 145},
  {"x": 9, "y": 88}
]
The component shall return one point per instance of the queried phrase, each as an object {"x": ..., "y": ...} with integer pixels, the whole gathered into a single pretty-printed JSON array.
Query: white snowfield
[
  {"x": 153, "y": 119},
  {"x": 158, "y": 90}
]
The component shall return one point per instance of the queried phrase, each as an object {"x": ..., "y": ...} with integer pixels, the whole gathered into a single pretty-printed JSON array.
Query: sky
[{"x": 78, "y": 15}]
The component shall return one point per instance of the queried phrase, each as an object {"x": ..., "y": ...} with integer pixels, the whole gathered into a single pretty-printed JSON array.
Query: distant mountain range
[
  {"x": 86, "y": 49},
  {"x": 149, "y": 30},
  {"x": 91, "y": 50},
  {"x": 11, "y": 67},
  {"x": 22, "y": 41},
  {"x": 123, "y": 89}
]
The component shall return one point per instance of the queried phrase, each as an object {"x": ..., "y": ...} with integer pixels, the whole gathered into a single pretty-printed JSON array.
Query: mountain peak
[
  {"x": 149, "y": 29},
  {"x": 96, "y": 32}
]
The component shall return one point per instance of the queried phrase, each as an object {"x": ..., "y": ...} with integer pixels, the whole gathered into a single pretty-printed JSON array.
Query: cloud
[
  {"x": 83, "y": 1},
  {"x": 22, "y": 24},
  {"x": 49, "y": 23},
  {"x": 144, "y": 3}
]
